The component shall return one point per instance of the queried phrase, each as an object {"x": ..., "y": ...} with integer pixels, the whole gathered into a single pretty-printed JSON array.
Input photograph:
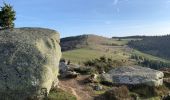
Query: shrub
[
  {"x": 149, "y": 91},
  {"x": 117, "y": 93},
  {"x": 103, "y": 64},
  {"x": 84, "y": 70}
]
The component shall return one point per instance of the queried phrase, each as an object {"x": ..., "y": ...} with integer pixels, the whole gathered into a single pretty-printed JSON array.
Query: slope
[
  {"x": 87, "y": 47},
  {"x": 155, "y": 45}
]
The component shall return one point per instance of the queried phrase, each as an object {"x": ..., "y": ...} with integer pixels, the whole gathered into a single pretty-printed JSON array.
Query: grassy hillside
[
  {"x": 84, "y": 54},
  {"x": 89, "y": 47},
  {"x": 81, "y": 41},
  {"x": 92, "y": 46},
  {"x": 149, "y": 56},
  {"x": 156, "y": 45},
  {"x": 70, "y": 43}
]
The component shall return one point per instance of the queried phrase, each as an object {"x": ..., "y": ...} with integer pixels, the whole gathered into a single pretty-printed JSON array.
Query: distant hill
[
  {"x": 70, "y": 43},
  {"x": 155, "y": 45},
  {"x": 76, "y": 42},
  {"x": 85, "y": 47}
]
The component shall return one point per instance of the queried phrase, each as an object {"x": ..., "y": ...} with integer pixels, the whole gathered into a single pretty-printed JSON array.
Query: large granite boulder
[
  {"x": 29, "y": 59},
  {"x": 134, "y": 75}
]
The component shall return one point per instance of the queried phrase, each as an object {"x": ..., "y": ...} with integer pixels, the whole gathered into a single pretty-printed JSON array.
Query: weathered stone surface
[
  {"x": 134, "y": 75},
  {"x": 63, "y": 67},
  {"x": 29, "y": 59}
]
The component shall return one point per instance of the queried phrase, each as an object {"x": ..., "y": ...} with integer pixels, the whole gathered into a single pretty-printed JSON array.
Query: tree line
[
  {"x": 154, "y": 64},
  {"x": 154, "y": 45}
]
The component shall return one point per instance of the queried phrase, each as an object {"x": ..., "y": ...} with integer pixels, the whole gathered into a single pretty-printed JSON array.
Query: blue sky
[{"x": 102, "y": 17}]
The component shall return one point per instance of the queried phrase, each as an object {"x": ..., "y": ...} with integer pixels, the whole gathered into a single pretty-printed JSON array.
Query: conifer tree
[{"x": 7, "y": 16}]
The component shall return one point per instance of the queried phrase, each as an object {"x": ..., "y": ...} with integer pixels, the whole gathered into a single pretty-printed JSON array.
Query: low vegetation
[
  {"x": 116, "y": 93},
  {"x": 84, "y": 70},
  {"x": 136, "y": 92},
  {"x": 58, "y": 94},
  {"x": 103, "y": 64},
  {"x": 144, "y": 91}
]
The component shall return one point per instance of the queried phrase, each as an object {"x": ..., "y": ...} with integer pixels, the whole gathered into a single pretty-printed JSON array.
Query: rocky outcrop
[
  {"x": 63, "y": 67},
  {"x": 29, "y": 59},
  {"x": 134, "y": 75},
  {"x": 66, "y": 71}
]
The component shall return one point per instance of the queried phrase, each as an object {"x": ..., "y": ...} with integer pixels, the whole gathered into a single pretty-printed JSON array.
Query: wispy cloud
[{"x": 115, "y": 2}]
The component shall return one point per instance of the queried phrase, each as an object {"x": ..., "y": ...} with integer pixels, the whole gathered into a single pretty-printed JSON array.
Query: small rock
[
  {"x": 69, "y": 74},
  {"x": 98, "y": 87},
  {"x": 91, "y": 79},
  {"x": 63, "y": 67}
]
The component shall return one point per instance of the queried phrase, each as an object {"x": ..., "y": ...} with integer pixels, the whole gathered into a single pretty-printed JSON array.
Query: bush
[
  {"x": 117, "y": 93},
  {"x": 84, "y": 70},
  {"x": 149, "y": 91},
  {"x": 103, "y": 64}
]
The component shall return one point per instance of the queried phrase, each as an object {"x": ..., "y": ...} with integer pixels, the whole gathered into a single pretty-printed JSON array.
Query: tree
[{"x": 7, "y": 17}]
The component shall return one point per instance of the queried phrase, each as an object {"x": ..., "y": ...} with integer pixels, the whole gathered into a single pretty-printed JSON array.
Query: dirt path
[{"x": 73, "y": 86}]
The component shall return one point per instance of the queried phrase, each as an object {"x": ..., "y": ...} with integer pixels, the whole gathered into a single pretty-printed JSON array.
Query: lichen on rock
[
  {"x": 29, "y": 59},
  {"x": 133, "y": 75}
]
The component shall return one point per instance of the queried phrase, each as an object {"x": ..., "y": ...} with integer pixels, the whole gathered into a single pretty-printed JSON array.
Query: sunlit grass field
[
  {"x": 95, "y": 51},
  {"x": 115, "y": 52}
]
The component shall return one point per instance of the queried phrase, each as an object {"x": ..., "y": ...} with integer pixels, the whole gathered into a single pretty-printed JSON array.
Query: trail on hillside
[{"x": 74, "y": 87}]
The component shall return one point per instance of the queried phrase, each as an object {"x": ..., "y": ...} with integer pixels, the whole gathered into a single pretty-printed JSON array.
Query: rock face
[
  {"x": 29, "y": 59},
  {"x": 134, "y": 75},
  {"x": 63, "y": 67}
]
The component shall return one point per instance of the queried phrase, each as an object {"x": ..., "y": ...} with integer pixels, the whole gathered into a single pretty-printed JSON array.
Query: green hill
[
  {"x": 79, "y": 49},
  {"x": 86, "y": 47},
  {"x": 81, "y": 41},
  {"x": 155, "y": 45},
  {"x": 70, "y": 43}
]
